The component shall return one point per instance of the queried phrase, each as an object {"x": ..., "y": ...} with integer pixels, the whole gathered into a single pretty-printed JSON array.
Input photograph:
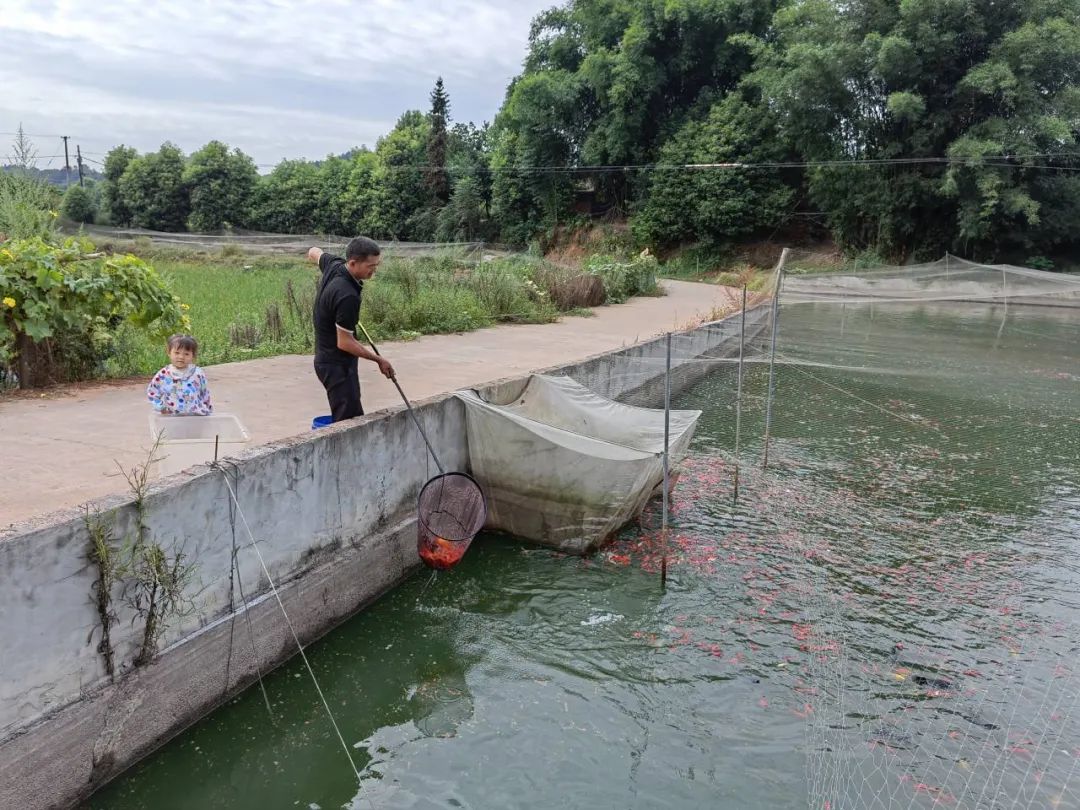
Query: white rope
[{"x": 288, "y": 621}]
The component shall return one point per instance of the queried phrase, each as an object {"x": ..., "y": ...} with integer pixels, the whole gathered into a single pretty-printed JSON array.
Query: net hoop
[{"x": 423, "y": 514}]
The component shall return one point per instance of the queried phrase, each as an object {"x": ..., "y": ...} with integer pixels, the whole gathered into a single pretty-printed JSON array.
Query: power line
[
  {"x": 36, "y": 157},
  {"x": 1003, "y": 161},
  {"x": 995, "y": 161},
  {"x": 32, "y": 134}
]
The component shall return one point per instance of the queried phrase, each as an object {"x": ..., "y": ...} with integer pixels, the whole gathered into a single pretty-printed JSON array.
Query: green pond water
[{"x": 886, "y": 618}]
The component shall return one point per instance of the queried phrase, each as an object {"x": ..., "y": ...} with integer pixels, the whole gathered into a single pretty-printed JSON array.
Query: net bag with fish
[{"x": 451, "y": 510}]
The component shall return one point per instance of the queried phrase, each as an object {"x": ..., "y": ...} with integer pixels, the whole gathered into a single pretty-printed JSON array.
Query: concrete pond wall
[{"x": 333, "y": 514}]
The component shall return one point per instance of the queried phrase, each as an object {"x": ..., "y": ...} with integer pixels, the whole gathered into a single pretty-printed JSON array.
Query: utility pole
[
  {"x": 67, "y": 162},
  {"x": 78, "y": 156}
]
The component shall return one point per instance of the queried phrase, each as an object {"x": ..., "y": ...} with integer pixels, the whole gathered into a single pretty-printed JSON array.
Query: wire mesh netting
[
  {"x": 948, "y": 279},
  {"x": 451, "y": 510},
  {"x": 905, "y": 563},
  {"x": 941, "y": 624},
  {"x": 274, "y": 243}
]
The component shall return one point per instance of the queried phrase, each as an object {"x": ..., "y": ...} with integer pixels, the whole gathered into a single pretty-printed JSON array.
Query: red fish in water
[{"x": 440, "y": 553}]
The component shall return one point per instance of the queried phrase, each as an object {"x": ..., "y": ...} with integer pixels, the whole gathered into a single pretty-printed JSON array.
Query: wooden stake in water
[
  {"x": 772, "y": 354},
  {"x": 667, "y": 434},
  {"x": 738, "y": 393}
]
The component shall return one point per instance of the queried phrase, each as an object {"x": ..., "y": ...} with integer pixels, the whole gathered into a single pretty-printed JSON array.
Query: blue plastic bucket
[{"x": 321, "y": 421}]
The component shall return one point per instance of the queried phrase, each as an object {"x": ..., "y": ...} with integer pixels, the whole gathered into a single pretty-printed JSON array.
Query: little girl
[{"x": 181, "y": 387}]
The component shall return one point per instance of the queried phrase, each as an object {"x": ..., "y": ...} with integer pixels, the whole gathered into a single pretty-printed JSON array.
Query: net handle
[{"x": 408, "y": 405}]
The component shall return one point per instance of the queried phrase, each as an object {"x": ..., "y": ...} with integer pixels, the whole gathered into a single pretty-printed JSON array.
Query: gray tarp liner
[{"x": 565, "y": 467}]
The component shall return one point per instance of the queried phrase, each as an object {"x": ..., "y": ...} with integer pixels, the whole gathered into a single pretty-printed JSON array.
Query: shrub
[
  {"x": 78, "y": 205},
  {"x": 445, "y": 309},
  {"x": 507, "y": 292},
  {"x": 622, "y": 280},
  {"x": 61, "y": 306},
  {"x": 27, "y": 207},
  {"x": 569, "y": 289}
]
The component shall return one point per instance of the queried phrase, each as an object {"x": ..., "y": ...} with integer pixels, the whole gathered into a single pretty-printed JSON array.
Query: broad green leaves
[{"x": 68, "y": 292}]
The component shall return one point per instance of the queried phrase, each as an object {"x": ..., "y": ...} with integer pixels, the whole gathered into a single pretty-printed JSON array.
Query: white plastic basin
[{"x": 186, "y": 441}]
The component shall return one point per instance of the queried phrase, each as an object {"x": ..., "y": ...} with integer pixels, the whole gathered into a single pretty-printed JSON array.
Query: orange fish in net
[
  {"x": 440, "y": 553},
  {"x": 451, "y": 509}
]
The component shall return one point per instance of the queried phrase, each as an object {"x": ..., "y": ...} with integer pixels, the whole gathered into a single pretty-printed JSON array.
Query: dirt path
[{"x": 62, "y": 450}]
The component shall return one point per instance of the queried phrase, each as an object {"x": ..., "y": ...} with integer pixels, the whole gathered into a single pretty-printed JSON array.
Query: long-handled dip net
[{"x": 450, "y": 508}]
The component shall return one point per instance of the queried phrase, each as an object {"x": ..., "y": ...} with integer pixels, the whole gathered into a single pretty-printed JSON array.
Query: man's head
[{"x": 362, "y": 258}]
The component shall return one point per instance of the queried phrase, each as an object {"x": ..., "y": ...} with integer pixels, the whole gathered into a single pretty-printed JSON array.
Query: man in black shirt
[{"x": 337, "y": 311}]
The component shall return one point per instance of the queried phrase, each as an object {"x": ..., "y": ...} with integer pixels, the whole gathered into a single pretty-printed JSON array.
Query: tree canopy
[
  {"x": 908, "y": 127},
  {"x": 221, "y": 185}
]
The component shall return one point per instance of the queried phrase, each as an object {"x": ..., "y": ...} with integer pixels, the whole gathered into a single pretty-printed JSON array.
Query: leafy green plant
[
  {"x": 156, "y": 581},
  {"x": 1039, "y": 263},
  {"x": 63, "y": 301},
  {"x": 108, "y": 559},
  {"x": 623, "y": 280}
]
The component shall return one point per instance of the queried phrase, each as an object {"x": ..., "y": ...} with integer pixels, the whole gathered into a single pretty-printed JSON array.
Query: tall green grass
[
  {"x": 226, "y": 304},
  {"x": 244, "y": 307},
  {"x": 27, "y": 206}
]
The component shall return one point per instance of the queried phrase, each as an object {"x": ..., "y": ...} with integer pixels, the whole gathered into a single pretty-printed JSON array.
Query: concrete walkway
[{"x": 62, "y": 450}]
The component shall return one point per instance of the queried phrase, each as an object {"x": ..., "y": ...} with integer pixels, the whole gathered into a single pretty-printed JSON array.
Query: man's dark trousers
[{"x": 342, "y": 384}]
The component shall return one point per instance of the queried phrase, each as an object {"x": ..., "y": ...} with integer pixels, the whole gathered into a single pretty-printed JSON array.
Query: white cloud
[{"x": 276, "y": 78}]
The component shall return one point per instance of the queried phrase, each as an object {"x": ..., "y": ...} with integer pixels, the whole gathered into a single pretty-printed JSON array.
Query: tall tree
[
  {"x": 116, "y": 163},
  {"x": 153, "y": 189},
  {"x": 608, "y": 82},
  {"x": 459, "y": 221},
  {"x": 361, "y": 198},
  {"x": 404, "y": 210},
  {"x": 715, "y": 205},
  {"x": 469, "y": 155},
  {"x": 437, "y": 145},
  {"x": 287, "y": 199},
  {"x": 23, "y": 150},
  {"x": 334, "y": 178},
  {"x": 972, "y": 79},
  {"x": 221, "y": 185}
]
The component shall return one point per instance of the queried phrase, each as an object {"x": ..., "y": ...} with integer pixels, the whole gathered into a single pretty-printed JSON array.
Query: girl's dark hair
[{"x": 184, "y": 342}]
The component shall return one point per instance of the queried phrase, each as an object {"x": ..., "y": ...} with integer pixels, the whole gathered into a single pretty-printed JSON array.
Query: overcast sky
[{"x": 277, "y": 78}]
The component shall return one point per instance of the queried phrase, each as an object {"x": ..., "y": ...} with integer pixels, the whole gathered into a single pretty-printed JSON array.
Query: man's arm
[
  {"x": 314, "y": 254},
  {"x": 347, "y": 342}
]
